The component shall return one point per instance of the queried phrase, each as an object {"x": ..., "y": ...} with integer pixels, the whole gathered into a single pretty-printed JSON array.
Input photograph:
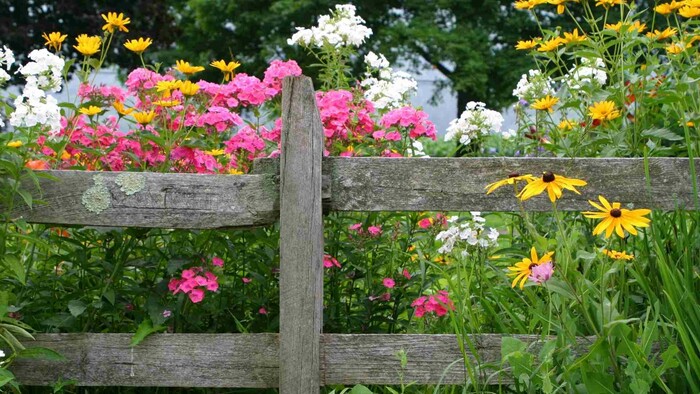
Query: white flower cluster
[
  {"x": 476, "y": 120},
  {"x": 472, "y": 233},
  {"x": 2, "y": 354},
  {"x": 340, "y": 29},
  {"x": 532, "y": 86},
  {"x": 416, "y": 150},
  {"x": 7, "y": 58},
  {"x": 588, "y": 72},
  {"x": 392, "y": 89},
  {"x": 34, "y": 107}
]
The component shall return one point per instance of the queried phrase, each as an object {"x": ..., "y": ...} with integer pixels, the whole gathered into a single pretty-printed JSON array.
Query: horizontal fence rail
[
  {"x": 356, "y": 184},
  {"x": 251, "y": 360}
]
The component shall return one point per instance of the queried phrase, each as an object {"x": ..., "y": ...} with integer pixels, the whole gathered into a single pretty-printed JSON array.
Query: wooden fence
[{"x": 295, "y": 190}]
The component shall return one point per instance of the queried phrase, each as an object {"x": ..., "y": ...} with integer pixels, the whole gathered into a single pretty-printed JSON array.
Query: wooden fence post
[{"x": 301, "y": 239}]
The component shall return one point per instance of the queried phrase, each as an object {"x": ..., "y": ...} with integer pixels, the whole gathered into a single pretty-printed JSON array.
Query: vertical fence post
[{"x": 301, "y": 239}]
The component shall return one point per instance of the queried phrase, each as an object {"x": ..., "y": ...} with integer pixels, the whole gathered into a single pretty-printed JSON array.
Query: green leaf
[
  {"x": 40, "y": 353},
  {"x": 15, "y": 266},
  {"x": 145, "y": 329},
  {"x": 5, "y": 377},
  {"x": 360, "y": 389},
  {"x": 665, "y": 134},
  {"x": 27, "y": 197},
  {"x": 76, "y": 307}
]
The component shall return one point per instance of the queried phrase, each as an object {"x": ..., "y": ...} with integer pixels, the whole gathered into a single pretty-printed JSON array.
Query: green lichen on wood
[
  {"x": 131, "y": 183},
  {"x": 97, "y": 198}
]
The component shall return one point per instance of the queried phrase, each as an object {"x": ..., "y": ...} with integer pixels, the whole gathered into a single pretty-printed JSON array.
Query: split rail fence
[{"x": 296, "y": 190}]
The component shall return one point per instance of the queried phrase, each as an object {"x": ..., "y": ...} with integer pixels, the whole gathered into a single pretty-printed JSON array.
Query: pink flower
[
  {"x": 542, "y": 272},
  {"x": 438, "y": 304},
  {"x": 329, "y": 261},
  {"x": 276, "y": 72},
  {"x": 217, "y": 262},
  {"x": 425, "y": 223},
  {"x": 374, "y": 230},
  {"x": 356, "y": 227},
  {"x": 389, "y": 283},
  {"x": 415, "y": 121},
  {"x": 246, "y": 280},
  {"x": 406, "y": 274},
  {"x": 262, "y": 310},
  {"x": 197, "y": 295},
  {"x": 167, "y": 313}
]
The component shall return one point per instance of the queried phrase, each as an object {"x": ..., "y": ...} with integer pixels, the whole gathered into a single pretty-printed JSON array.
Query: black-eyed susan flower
[
  {"x": 689, "y": 12},
  {"x": 88, "y": 45},
  {"x": 186, "y": 68},
  {"x": 545, "y": 103},
  {"x": 574, "y": 37},
  {"x": 565, "y": 124},
  {"x": 560, "y": 5},
  {"x": 121, "y": 109},
  {"x": 115, "y": 21},
  {"x": 526, "y": 45},
  {"x": 14, "y": 144},
  {"x": 550, "y": 45},
  {"x": 90, "y": 110},
  {"x": 616, "y": 218},
  {"x": 188, "y": 88},
  {"x": 603, "y": 110},
  {"x": 662, "y": 34},
  {"x": 609, "y": 3},
  {"x": 674, "y": 48},
  {"x": 511, "y": 180},
  {"x": 215, "y": 152},
  {"x": 226, "y": 68},
  {"x": 166, "y": 87},
  {"x": 54, "y": 40},
  {"x": 554, "y": 185},
  {"x": 143, "y": 118},
  {"x": 523, "y": 269},
  {"x": 615, "y": 255},
  {"x": 663, "y": 9},
  {"x": 138, "y": 45}
]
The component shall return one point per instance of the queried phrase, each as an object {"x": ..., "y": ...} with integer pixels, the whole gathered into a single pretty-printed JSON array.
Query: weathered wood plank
[
  {"x": 457, "y": 184},
  {"x": 301, "y": 239},
  {"x": 251, "y": 360},
  {"x": 165, "y": 201}
]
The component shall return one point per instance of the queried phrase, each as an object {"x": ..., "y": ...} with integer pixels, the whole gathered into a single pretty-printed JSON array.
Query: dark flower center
[
  {"x": 547, "y": 177},
  {"x": 513, "y": 175},
  {"x": 616, "y": 213},
  {"x": 532, "y": 266}
]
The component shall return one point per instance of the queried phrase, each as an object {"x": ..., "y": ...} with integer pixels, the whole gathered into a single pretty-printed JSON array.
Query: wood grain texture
[
  {"x": 251, "y": 360},
  {"x": 166, "y": 201},
  {"x": 301, "y": 238},
  {"x": 458, "y": 184}
]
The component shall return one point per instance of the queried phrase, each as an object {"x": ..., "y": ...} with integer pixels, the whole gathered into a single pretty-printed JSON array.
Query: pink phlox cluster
[
  {"x": 440, "y": 220},
  {"x": 383, "y": 135},
  {"x": 220, "y": 118},
  {"x": 220, "y": 95},
  {"x": 438, "y": 304},
  {"x": 251, "y": 90},
  {"x": 330, "y": 261},
  {"x": 142, "y": 79},
  {"x": 195, "y": 159},
  {"x": 276, "y": 72},
  {"x": 103, "y": 93},
  {"x": 542, "y": 272},
  {"x": 217, "y": 262},
  {"x": 246, "y": 142},
  {"x": 273, "y": 135},
  {"x": 372, "y": 231},
  {"x": 389, "y": 283},
  {"x": 391, "y": 153},
  {"x": 194, "y": 282},
  {"x": 342, "y": 118},
  {"x": 416, "y": 121}
]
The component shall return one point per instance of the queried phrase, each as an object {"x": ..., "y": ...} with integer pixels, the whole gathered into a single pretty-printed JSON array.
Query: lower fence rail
[{"x": 251, "y": 360}]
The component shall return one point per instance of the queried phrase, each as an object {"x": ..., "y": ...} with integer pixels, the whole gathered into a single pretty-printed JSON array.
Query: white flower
[
  {"x": 393, "y": 89},
  {"x": 532, "y": 86},
  {"x": 587, "y": 73},
  {"x": 2, "y": 354},
  {"x": 340, "y": 29},
  {"x": 375, "y": 61},
  {"x": 475, "y": 121},
  {"x": 470, "y": 233},
  {"x": 45, "y": 71}
]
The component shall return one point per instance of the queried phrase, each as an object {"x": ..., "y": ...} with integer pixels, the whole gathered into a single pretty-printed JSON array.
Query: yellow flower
[
  {"x": 678, "y": 4},
  {"x": 115, "y": 21},
  {"x": 675, "y": 48},
  {"x": 90, "y": 111},
  {"x": 166, "y": 103},
  {"x": 609, "y": 3},
  {"x": 186, "y": 68},
  {"x": 121, "y": 109},
  {"x": 235, "y": 171},
  {"x": 88, "y": 45},
  {"x": 166, "y": 87},
  {"x": 144, "y": 117},
  {"x": 551, "y": 44},
  {"x": 566, "y": 125},
  {"x": 662, "y": 35},
  {"x": 553, "y": 183},
  {"x": 138, "y": 46},
  {"x": 689, "y": 12},
  {"x": 54, "y": 40},
  {"x": 559, "y": 4},
  {"x": 441, "y": 260},
  {"x": 14, "y": 144},
  {"x": 573, "y": 37},
  {"x": 188, "y": 88},
  {"x": 615, "y": 218},
  {"x": 226, "y": 68},
  {"x": 523, "y": 269},
  {"x": 545, "y": 104},
  {"x": 663, "y": 9},
  {"x": 603, "y": 110},
  {"x": 215, "y": 152},
  {"x": 511, "y": 180},
  {"x": 614, "y": 26},
  {"x": 528, "y": 4},
  {"x": 615, "y": 255},
  {"x": 525, "y": 45}
]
